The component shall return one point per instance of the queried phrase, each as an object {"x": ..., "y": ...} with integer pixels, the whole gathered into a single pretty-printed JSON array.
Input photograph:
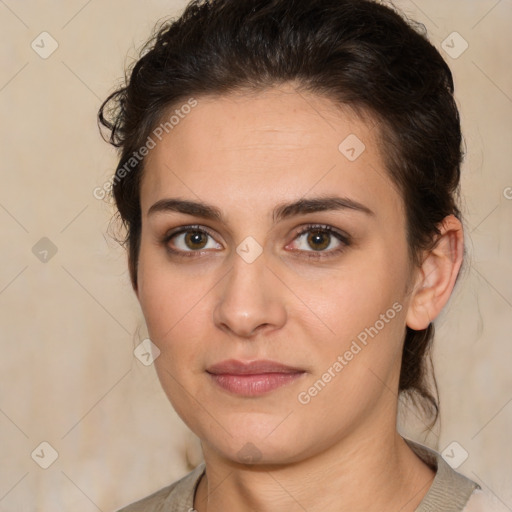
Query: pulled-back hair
[{"x": 358, "y": 53}]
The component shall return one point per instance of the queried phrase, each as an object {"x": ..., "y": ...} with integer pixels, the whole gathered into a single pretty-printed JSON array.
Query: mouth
[{"x": 253, "y": 378}]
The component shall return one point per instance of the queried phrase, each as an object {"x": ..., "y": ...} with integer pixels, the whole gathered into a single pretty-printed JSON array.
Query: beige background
[{"x": 69, "y": 325}]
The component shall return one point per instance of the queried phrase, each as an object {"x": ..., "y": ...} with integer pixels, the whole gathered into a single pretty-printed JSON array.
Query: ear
[{"x": 437, "y": 275}]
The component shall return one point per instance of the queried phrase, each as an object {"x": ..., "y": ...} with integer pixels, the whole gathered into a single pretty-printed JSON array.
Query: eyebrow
[{"x": 281, "y": 212}]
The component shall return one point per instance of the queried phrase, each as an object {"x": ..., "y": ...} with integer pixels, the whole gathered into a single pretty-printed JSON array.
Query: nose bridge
[{"x": 249, "y": 297}]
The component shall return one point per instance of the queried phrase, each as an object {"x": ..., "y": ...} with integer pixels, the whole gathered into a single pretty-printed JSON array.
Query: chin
[{"x": 255, "y": 442}]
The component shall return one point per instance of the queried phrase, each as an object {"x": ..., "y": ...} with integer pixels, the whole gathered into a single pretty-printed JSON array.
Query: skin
[{"x": 246, "y": 154}]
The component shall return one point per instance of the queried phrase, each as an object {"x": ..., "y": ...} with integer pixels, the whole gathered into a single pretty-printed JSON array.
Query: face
[{"x": 287, "y": 249}]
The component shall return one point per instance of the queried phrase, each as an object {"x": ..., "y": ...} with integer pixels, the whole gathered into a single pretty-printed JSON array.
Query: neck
[{"x": 370, "y": 471}]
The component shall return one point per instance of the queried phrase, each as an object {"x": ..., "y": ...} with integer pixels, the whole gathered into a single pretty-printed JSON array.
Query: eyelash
[
  {"x": 341, "y": 237},
  {"x": 317, "y": 255}
]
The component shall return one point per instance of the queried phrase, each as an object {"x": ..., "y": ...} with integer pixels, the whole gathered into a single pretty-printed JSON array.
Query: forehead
[{"x": 259, "y": 149}]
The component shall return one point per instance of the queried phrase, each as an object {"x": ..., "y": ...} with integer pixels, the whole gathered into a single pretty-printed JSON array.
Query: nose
[{"x": 249, "y": 300}]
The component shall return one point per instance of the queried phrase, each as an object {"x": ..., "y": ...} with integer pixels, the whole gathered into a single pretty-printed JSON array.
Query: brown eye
[
  {"x": 189, "y": 240},
  {"x": 196, "y": 239},
  {"x": 318, "y": 239}
]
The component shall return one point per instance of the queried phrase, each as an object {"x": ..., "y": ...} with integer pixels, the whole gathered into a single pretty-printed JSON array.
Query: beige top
[{"x": 449, "y": 492}]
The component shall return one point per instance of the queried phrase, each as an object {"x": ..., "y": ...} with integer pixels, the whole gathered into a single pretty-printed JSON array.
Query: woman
[{"x": 288, "y": 179}]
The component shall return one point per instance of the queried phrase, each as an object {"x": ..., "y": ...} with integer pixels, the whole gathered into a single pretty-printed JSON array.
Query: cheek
[
  {"x": 354, "y": 297},
  {"x": 176, "y": 310},
  {"x": 357, "y": 362},
  {"x": 171, "y": 296},
  {"x": 363, "y": 306}
]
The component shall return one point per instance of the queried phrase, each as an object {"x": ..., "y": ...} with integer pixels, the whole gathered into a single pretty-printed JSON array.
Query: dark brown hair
[{"x": 356, "y": 52}]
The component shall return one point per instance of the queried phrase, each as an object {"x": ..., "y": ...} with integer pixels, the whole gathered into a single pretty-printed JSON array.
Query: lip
[
  {"x": 234, "y": 367},
  {"x": 253, "y": 378}
]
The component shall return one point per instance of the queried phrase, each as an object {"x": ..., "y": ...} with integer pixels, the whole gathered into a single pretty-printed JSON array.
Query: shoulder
[
  {"x": 482, "y": 501},
  {"x": 177, "y": 496},
  {"x": 151, "y": 503},
  {"x": 451, "y": 490}
]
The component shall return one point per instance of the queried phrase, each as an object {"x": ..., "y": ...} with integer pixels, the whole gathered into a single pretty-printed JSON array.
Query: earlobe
[{"x": 437, "y": 275}]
